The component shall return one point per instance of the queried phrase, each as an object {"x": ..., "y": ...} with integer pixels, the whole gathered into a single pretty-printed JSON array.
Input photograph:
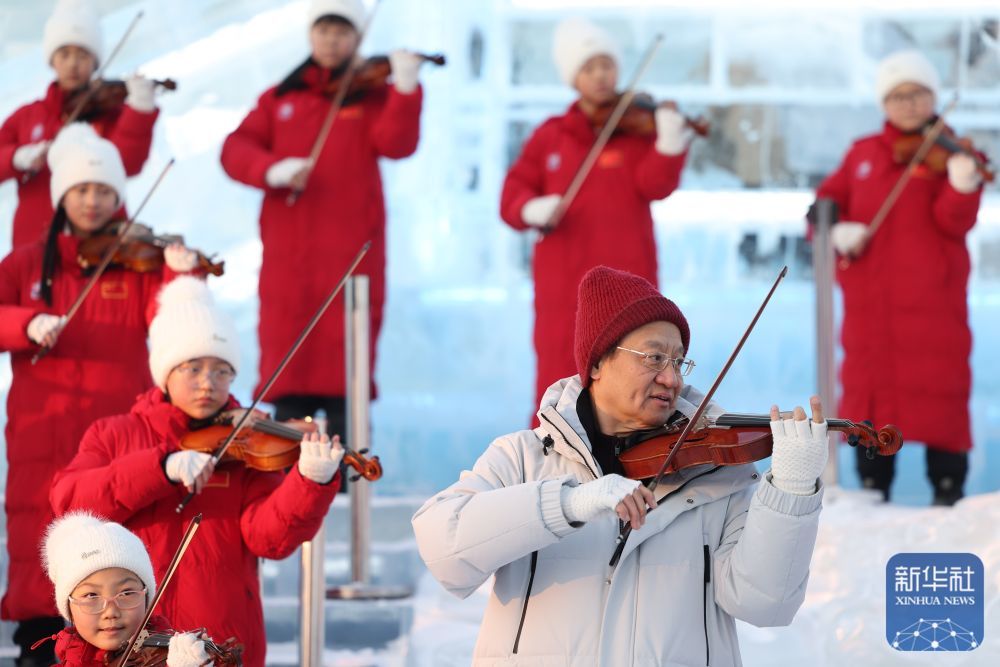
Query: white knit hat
[
  {"x": 80, "y": 544},
  {"x": 908, "y": 66},
  {"x": 189, "y": 325},
  {"x": 79, "y": 155},
  {"x": 73, "y": 23},
  {"x": 576, "y": 41},
  {"x": 352, "y": 10}
]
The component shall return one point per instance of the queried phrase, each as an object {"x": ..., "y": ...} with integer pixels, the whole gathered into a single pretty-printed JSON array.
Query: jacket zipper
[
  {"x": 570, "y": 445},
  {"x": 527, "y": 596},
  {"x": 708, "y": 580}
]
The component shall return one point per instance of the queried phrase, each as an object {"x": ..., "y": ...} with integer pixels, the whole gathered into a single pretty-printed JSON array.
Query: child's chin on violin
[{"x": 104, "y": 582}]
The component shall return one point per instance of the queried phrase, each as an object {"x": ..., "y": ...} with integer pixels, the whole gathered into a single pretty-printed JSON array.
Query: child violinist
[
  {"x": 911, "y": 272},
  {"x": 609, "y": 222},
  {"x": 131, "y": 468},
  {"x": 73, "y": 47},
  {"x": 340, "y": 204},
  {"x": 104, "y": 583},
  {"x": 97, "y": 361}
]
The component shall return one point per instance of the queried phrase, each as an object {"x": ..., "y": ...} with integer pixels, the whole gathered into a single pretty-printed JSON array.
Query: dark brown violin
[
  {"x": 947, "y": 143},
  {"x": 141, "y": 252},
  {"x": 735, "y": 439},
  {"x": 269, "y": 445},
  {"x": 372, "y": 74},
  {"x": 100, "y": 97},
  {"x": 640, "y": 119},
  {"x": 152, "y": 648}
]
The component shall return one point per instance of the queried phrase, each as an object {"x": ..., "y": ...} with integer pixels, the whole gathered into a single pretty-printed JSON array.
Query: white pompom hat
[
  {"x": 79, "y": 155},
  {"x": 187, "y": 326},
  {"x": 352, "y": 10},
  {"x": 901, "y": 67},
  {"x": 576, "y": 41},
  {"x": 80, "y": 544},
  {"x": 73, "y": 23}
]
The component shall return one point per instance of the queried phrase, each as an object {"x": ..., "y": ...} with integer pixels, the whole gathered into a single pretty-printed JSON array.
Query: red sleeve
[
  {"x": 396, "y": 132},
  {"x": 280, "y": 512},
  {"x": 133, "y": 135},
  {"x": 246, "y": 153},
  {"x": 14, "y": 317},
  {"x": 657, "y": 175},
  {"x": 116, "y": 486},
  {"x": 9, "y": 143},
  {"x": 955, "y": 213},
  {"x": 526, "y": 178}
]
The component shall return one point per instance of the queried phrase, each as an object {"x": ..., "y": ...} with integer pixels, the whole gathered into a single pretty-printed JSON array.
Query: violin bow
[
  {"x": 602, "y": 139},
  {"x": 627, "y": 529},
  {"x": 181, "y": 548},
  {"x": 105, "y": 262},
  {"x": 930, "y": 136},
  {"x": 221, "y": 449},
  {"x": 335, "y": 107}
]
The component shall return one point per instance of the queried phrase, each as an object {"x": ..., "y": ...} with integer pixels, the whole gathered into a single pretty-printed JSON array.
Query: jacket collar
[
  {"x": 73, "y": 649},
  {"x": 164, "y": 417}
]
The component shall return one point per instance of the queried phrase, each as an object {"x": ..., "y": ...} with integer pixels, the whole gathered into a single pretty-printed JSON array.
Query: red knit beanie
[{"x": 609, "y": 305}]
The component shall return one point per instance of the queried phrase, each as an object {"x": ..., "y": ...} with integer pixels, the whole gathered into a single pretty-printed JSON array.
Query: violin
[
  {"x": 640, "y": 119},
  {"x": 268, "y": 445},
  {"x": 100, "y": 97},
  {"x": 372, "y": 74},
  {"x": 152, "y": 649},
  {"x": 141, "y": 252},
  {"x": 735, "y": 439},
  {"x": 947, "y": 143}
]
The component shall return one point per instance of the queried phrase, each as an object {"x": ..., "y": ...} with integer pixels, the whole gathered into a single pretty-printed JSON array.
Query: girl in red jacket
[
  {"x": 609, "y": 222},
  {"x": 130, "y": 468},
  {"x": 340, "y": 206},
  {"x": 905, "y": 332},
  {"x": 95, "y": 369},
  {"x": 73, "y": 46},
  {"x": 104, "y": 583}
]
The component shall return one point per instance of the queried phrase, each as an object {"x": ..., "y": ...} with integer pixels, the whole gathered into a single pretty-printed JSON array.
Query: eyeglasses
[
  {"x": 658, "y": 362},
  {"x": 92, "y": 603},
  {"x": 917, "y": 97},
  {"x": 192, "y": 371}
]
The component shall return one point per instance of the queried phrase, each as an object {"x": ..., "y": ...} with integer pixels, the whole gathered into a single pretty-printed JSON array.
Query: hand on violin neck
[
  {"x": 290, "y": 172},
  {"x": 963, "y": 173},
  {"x": 672, "y": 133},
  {"x": 320, "y": 457},
  {"x": 405, "y": 66},
  {"x": 179, "y": 258},
  {"x": 627, "y": 498},
  {"x": 190, "y": 468},
  {"x": 800, "y": 449},
  {"x": 187, "y": 649},
  {"x": 141, "y": 92}
]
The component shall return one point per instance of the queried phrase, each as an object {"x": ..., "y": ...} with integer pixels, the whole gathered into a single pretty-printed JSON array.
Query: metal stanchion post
[
  {"x": 312, "y": 592},
  {"x": 358, "y": 349},
  {"x": 823, "y": 273}
]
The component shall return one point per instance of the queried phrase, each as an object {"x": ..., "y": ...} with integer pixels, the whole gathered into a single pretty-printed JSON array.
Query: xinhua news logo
[{"x": 934, "y": 602}]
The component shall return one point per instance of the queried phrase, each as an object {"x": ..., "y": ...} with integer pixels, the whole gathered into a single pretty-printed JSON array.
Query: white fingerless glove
[
  {"x": 318, "y": 461},
  {"x": 184, "y": 467},
  {"x": 180, "y": 259},
  {"x": 845, "y": 236},
  {"x": 140, "y": 93},
  {"x": 25, "y": 157},
  {"x": 584, "y": 502},
  {"x": 187, "y": 650},
  {"x": 405, "y": 66},
  {"x": 799, "y": 455},
  {"x": 672, "y": 132},
  {"x": 42, "y": 325},
  {"x": 538, "y": 211},
  {"x": 280, "y": 174},
  {"x": 963, "y": 174}
]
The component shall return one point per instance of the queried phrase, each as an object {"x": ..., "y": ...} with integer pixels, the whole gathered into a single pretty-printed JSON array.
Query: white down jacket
[{"x": 722, "y": 544}]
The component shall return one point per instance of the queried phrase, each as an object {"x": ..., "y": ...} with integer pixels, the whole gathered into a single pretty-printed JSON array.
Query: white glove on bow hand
[
  {"x": 179, "y": 258},
  {"x": 187, "y": 650},
  {"x": 845, "y": 236},
  {"x": 586, "y": 501},
  {"x": 963, "y": 174},
  {"x": 281, "y": 173},
  {"x": 320, "y": 458},
  {"x": 672, "y": 133},
  {"x": 29, "y": 157},
  {"x": 799, "y": 454},
  {"x": 43, "y": 325},
  {"x": 184, "y": 467},
  {"x": 538, "y": 211},
  {"x": 405, "y": 66},
  {"x": 141, "y": 92}
]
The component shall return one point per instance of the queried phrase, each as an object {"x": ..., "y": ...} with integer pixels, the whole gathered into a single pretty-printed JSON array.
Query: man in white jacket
[{"x": 541, "y": 508}]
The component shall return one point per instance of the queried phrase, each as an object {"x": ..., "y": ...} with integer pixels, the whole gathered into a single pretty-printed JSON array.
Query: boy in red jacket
[
  {"x": 130, "y": 468},
  {"x": 905, "y": 331},
  {"x": 339, "y": 208},
  {"x": 609, "y": 221},
  {"x": 104, "y": 583},
  {"x": 73, "y": 45}
]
